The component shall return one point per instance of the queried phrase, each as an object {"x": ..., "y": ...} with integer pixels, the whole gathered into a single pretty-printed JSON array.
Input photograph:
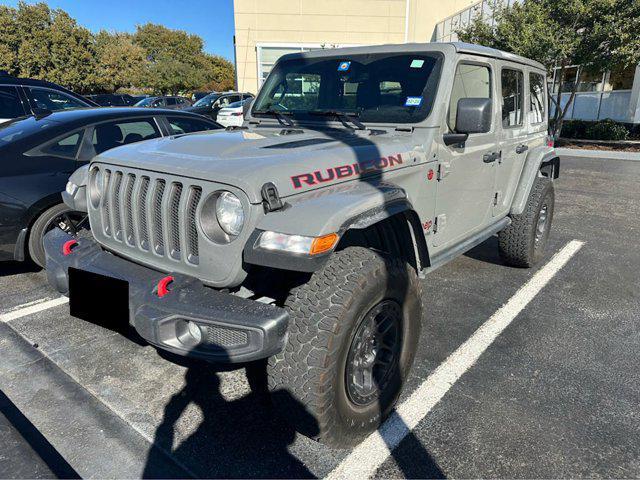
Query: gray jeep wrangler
[{"x": 301, "y": 237}]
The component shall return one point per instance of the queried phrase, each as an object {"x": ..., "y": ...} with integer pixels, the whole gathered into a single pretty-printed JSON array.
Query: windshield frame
[{"x": 300, "y": 117}]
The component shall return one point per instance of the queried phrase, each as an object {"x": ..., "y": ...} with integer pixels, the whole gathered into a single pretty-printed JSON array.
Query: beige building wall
[{"x": 265, "y": 28}]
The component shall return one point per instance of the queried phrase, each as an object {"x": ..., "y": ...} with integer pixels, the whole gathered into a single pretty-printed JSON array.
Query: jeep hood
[{"x": 294, "y": 160}]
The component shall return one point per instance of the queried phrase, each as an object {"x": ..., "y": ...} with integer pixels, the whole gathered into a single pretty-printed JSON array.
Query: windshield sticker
[
  {"x": 417, "y": 63},
  {"x": 344, "y": 66},
  {"x": 413, "y": 102}
]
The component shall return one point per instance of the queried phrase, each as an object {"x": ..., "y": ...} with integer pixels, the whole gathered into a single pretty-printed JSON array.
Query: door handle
[
  {"x": 491, "y": 157},
  {"x": 522, "y": 148}
]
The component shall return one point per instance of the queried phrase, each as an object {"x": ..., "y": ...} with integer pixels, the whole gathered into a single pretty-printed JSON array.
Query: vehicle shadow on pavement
[
  {"x": 235, "y": 438},
  {"x": 486, "y": 252}
]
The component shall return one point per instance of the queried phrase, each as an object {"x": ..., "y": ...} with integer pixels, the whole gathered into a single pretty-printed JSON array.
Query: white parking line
[
  {"x": 32, "y": 307},
  {"x": 367, "y": 457}
]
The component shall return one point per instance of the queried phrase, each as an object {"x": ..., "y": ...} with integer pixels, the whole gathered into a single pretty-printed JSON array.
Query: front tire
[
  {"x": 523, "y": 243},
  {"x": 353, "y": 333},
  {"x": 57, "y": 216}
]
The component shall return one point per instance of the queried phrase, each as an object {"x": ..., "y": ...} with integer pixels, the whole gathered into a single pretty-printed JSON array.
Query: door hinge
[
  {"x": 497, "y": 197},
  {"x": 443, "y": 170},
  {"x": 440, "y": 223}
]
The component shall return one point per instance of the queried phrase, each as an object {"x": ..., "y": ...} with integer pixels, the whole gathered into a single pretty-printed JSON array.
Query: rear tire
[
  {"x": 523, "y": 243},
  {"x": 56, "y": 216},
  {"x": 353, "y": 333}
]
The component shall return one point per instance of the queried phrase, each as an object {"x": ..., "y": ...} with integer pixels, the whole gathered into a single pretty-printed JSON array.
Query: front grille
[{"x": 151, "y": 214}]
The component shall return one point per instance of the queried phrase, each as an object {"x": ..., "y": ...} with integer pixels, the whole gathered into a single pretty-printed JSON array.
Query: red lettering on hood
[{"x": 343, "y": 171}]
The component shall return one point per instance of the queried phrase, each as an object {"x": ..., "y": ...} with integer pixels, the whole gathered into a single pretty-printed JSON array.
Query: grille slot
[
  {"x": 150, "y": 214},
  {"x": 195, "y": 193},
  {"x": 129, "y": 233},
  {"x": 117, "y": 220},
  {"x": 226, "y": 337},
  {"x": 174, "y": 220},
  {"x": 106, "y": 214},
  {"x": 143, "y": 226},
  {"x": 158, "y": 238}
]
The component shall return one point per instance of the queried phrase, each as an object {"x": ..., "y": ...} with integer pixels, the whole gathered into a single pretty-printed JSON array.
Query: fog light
[{"x": 195, "y": 331}]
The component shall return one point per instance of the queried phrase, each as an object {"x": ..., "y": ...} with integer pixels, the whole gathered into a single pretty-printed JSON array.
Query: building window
[
  {"x": 446, "y": 30},
  {"x": 621, "y": 79}
]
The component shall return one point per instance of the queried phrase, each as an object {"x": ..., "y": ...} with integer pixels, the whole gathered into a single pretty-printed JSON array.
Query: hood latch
[{"x": 270, "y": 198}]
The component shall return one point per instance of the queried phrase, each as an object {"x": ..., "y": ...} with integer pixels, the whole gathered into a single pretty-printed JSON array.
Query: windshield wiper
[
  {"x": 282, "y": 117},
  {"x": 344, "y": 117}
]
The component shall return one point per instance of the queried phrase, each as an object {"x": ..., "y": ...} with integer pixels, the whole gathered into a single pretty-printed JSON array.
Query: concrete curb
[{"x": 603, "y": 154}]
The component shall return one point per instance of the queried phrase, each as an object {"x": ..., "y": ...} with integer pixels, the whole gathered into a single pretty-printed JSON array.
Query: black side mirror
[{"x": 474, "y": 115}]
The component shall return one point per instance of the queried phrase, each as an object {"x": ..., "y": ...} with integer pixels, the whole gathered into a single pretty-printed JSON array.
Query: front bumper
[{"x": 233, "y": 329}]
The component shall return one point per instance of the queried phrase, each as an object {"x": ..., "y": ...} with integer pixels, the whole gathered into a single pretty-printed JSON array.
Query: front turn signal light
[{"x": 323, "y": 244}]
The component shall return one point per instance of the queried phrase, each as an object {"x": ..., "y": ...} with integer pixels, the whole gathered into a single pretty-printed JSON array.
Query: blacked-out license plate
[{"x": 98, "y": 298}]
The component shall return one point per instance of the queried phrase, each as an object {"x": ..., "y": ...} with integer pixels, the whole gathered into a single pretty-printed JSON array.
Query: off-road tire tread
[
  {"x": 308, "y": 364},
  {"x": 514, "y": 241}
]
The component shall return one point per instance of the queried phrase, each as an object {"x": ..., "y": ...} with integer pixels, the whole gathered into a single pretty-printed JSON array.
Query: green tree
[
  {"x": 120, "y": 62},
  {"x": 38, "y": 42},
  {"x": 598, "y": 35}
]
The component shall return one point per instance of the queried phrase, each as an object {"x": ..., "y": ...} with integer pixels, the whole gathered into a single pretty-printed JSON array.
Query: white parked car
[{"x": 232, "y": 115}]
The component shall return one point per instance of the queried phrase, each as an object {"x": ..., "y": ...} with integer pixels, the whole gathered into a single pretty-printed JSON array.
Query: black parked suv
[
  {"x": 25, "y": 96},
  {"x": 39, "y": 153},
  {"x": 212, "y": 103}
]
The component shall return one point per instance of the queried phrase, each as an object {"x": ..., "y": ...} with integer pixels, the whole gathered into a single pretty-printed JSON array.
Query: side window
[
  {"x": 171, "y": 101},
  {"x": 65, "y": 148},
  {"x": 181, "y": 125},
  {"x": 52, "y": 100},
  {"x": 113, "y": 134},
  {"x": 512, "y": 97},
  {"x": 158, "y": 103},
  {"x": 471, "y": 81},
  {"x": 537, "y": 99},
  {"x": 10, "y": 105}
]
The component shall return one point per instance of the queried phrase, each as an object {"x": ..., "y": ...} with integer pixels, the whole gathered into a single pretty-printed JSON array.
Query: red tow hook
[
  {"x": 68, "y": 246},
  {"x": 163, "y": 286}
]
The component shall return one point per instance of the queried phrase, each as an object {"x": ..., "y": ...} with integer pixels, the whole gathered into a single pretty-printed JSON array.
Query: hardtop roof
[{"x": 446, "y": 47}]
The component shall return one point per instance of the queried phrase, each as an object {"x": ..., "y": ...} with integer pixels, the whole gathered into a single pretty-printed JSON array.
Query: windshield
[
  {"x": 145, "y": 102},
  {"x": 207, "y": 101},
  {"x": 379, "y": 88}
]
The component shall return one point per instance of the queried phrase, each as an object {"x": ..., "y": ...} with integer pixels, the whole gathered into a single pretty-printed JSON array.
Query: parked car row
[{"x": 26, "y": 96}]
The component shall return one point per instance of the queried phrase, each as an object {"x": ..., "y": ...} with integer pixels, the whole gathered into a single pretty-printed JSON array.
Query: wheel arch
[{"x": 541, "y": 162}]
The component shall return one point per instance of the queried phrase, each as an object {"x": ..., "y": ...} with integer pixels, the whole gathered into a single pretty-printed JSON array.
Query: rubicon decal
[{"x": 344, "y": 171}]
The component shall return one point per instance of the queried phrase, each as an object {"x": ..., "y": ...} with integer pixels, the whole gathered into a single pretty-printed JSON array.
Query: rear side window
[
  {"x": 187, "y": 125},
  {"x": 10, "y": 105},
  {"x": 114, "y": 134},
  {"x": 512, "y": 97},
  {"x": 536, "y": 98},
  {"x": 471, "y": 81},
  {"x": 65, "y": 148},
  {"x": 52, "y": 100},
  {"x": 170, "y": 101}
]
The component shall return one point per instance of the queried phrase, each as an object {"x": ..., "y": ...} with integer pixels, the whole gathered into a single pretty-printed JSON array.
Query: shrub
[
  {"x": 607, "y": 130},
  {"x": 574, "y": 128}
]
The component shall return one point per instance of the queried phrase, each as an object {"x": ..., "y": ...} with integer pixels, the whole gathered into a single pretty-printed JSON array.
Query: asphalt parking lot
[{"x": 555, "y": 394}]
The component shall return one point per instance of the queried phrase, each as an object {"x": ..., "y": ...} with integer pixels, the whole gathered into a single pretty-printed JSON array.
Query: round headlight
[{"x": 230, "y": 213}]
